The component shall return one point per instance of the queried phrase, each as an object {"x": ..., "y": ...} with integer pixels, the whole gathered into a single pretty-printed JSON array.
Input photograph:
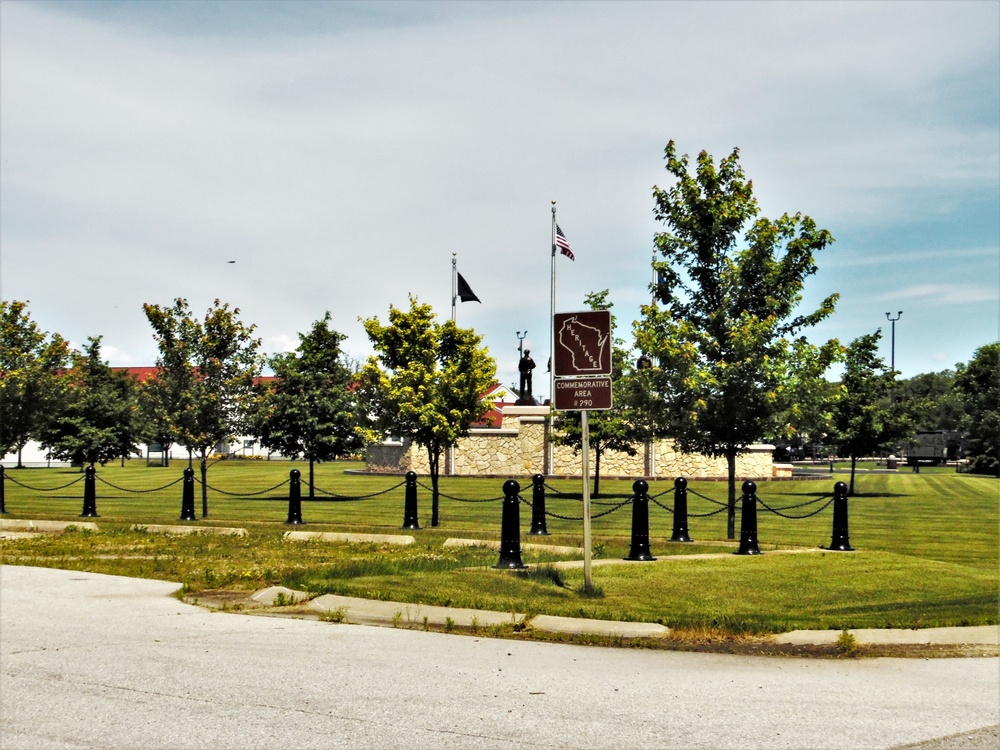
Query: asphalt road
[{"x": 93, "y": 661}]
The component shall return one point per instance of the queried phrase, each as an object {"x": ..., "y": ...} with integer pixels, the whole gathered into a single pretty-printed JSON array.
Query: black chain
[
  {"x": 665, "y": 507},
  {"x": 705, "y": 497},
  {"x": 243, "y": 494},
  {"x": 580, "y": 518},
  {"x": 358, "y": 497},
  {"x": 460, "y": 499},
  {"x": 139, "y": 492},
  {"x": 795, "y": 518},
  {"x": 43, "y": 489}
]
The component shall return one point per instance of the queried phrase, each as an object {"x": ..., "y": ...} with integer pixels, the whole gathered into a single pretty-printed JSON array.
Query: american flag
[{"x": 563, "y": 244}]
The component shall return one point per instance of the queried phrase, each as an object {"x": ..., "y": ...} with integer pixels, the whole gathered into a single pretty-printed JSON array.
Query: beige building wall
[{"x": 521, "y": 448}]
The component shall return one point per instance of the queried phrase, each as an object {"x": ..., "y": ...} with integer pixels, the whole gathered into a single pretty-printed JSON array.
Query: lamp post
[{"x": 892, "y": 350}]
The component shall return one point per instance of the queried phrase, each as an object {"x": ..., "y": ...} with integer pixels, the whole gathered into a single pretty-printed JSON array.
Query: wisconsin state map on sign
[{"x": 585, "y": 344}]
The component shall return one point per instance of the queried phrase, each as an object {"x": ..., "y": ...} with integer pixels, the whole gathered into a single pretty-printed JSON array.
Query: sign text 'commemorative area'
[{"x": 579, "y": 394}]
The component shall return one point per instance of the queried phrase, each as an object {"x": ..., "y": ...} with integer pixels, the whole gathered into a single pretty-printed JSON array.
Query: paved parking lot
[{"x": 93, "y": 661}]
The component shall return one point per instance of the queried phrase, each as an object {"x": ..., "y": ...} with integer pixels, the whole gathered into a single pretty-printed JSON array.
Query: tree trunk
[
  {"x": 434, "y": 460},
  {"x": 731, "y": 515},
  {"x": 312, "y": 476},
  {"x": 854, "y": 463}
]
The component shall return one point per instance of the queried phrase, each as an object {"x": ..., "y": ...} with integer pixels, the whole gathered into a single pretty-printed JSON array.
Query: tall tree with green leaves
[
  {"x": 614, "y": 429},
  {"x": 979, "y": 383},
  {"x": 937, "y": 403},
  {"x": 30, "y": 362},
  {"x": 210, "y": 364},
  {"x": 97, "y": 418},
  {"x": 865, "y": 418},
  {"x": 311, "y": 410},
  {"x": 426, "y": 382},
  {"x": 724, "y": 329},
  {"x": 160, "y": 396}
]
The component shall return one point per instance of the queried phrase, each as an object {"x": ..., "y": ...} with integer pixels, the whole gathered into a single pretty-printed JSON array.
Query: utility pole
[{"x": 892, "y": 349}]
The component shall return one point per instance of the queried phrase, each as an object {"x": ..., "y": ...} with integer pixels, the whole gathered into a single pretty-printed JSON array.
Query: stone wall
[{"x": 520, "y": 448}]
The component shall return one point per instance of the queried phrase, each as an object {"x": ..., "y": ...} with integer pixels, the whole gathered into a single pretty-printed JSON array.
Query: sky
[{"x": 342, "y": 153}]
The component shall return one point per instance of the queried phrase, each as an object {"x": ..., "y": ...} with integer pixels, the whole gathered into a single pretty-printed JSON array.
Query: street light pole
[{"x": 892, "y": 350}]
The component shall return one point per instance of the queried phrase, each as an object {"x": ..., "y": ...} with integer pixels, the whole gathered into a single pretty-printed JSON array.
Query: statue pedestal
[{"x": 526, "y": 402}]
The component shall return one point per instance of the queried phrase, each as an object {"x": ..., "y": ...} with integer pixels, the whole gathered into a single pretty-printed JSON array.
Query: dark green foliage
[
  {"x": 206, "y": 382},
  {"x": 96, "y": 414},
  {"x": 30, "y": 361},
  {"x": 310, "y": 410},
  {"x": 425, "y": 383},
  {"x": 724, "y": 330},
  {"x": 865, "y": 419},
  {"x": 979, "y": 384},
  {"x": 935, "y": 401}
]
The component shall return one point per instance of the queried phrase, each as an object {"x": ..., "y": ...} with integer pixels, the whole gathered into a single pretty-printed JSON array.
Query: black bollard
[
  {"x": 3, "y": 507},
  {"x": 510, "y": 528},
  {"x": 841, "y": 539},
  {"x": 748, "y": 523},
  {"x": 187, "y": 496},
  {"x": 680, "y": 511},
  {"x": 538, "y": 527},
  {"x": 89, "y": 493},
  {"x": 410, "y": 520},
  {"x": 295, "y": 497},
  {"x": 640, "y": 522}
]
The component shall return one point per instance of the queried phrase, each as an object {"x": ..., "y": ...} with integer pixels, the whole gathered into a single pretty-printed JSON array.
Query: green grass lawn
[{"x": 927, "y": 546}]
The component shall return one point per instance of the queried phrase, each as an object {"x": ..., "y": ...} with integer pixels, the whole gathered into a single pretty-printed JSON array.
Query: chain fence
[
  {"x": 336, "y": 497},
  {"x": 137, "y": 492},
  {"x": 43, "y": 489}
]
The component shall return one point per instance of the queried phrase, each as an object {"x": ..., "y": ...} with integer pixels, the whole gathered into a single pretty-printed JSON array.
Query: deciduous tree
[
  {"x": 97, "y": 417},
  {"x": 979, "y": 383},
  {"x": 426, "y": 382},
  {"x": 209, "y": 365},
  {"x": 865, "y": 419},
  {"x": 724, "y": 330},
  {"x": 30, "y": 361},
  {"x": 310, "y": 408}
]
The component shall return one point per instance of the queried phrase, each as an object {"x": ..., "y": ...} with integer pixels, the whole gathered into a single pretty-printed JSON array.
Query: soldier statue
[{"x": 525, "y": 366}]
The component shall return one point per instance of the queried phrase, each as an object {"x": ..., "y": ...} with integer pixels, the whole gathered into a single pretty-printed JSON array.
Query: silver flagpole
[
  {"x": 552, "y": 313},
  {"x": 550, "y": 449},
  {"x": 454, "y": 285},
  {"x": 450, "y": 452}
]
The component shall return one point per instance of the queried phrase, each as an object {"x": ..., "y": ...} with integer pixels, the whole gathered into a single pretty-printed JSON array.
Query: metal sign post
[{"x": 588, "y": 581}]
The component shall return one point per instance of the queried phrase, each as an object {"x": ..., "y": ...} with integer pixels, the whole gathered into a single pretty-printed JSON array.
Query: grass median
[{"x": 927, "y": 546}]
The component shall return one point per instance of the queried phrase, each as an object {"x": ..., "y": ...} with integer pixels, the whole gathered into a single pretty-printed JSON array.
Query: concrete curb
[
  {"x": 553, "y": 548},
  {"x": 154, "y": 528},
  {"x": 984, "y": 635},
  {"x": 333, "y": 536},
  {"x": 44, "y": 527},
  {"x": 356, "y": 610}
]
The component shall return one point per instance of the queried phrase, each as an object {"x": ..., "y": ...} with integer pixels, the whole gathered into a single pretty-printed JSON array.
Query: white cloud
[
  {"x": 944, "y": 294},
  {"x": 342, "y": 164}
]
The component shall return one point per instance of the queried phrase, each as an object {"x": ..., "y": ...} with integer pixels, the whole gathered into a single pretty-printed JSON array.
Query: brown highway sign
[
  {"x": 583, "y": 394},
  {"x": 582, "y": 343}
]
